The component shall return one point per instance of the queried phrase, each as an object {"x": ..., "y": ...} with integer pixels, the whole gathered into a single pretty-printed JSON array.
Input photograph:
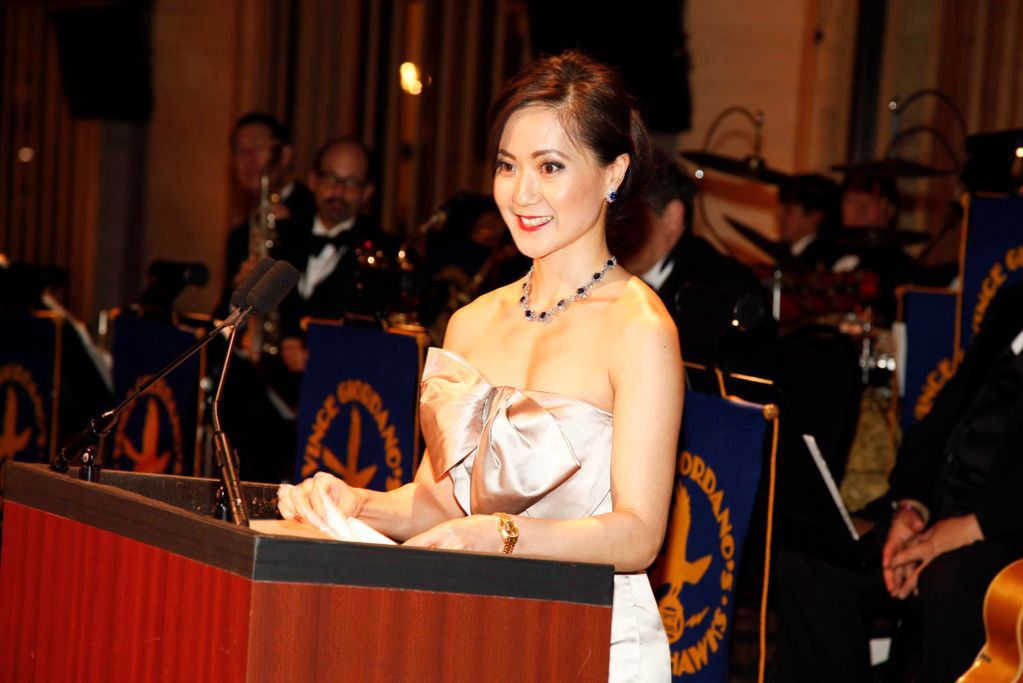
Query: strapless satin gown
[{"x": 537, "y": 454}]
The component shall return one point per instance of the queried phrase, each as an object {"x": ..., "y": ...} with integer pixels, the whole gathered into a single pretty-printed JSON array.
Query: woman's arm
[
  {"x": 413, "y": 508},
  {"x": 646, "y": 375},
  {"x": 400, "y": 514}
]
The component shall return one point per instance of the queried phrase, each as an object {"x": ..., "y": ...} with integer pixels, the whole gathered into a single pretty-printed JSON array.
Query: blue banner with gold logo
[
  {"x": 157, "y": 433},
  {"x": 357, "y": 411},
  {"x": 992, "y": 257},
  {"x": 29, "y": 379},
  {"x": 715, "y": 487},
  {"x": 931, "y": 358}
]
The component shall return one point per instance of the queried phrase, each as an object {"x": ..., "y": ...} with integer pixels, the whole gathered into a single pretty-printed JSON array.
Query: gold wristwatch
[{"x": 509, "y": 531}]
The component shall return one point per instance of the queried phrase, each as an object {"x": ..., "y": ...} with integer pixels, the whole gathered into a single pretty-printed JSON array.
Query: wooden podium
[{"x": 132, "y": 579}]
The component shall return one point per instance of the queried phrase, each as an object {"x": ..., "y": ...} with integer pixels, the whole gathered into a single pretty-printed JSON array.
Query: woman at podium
[{"x": 551, "y": 414}]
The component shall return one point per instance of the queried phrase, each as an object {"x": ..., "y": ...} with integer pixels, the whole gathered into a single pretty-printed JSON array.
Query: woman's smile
[{"x": 533, "y": 223}]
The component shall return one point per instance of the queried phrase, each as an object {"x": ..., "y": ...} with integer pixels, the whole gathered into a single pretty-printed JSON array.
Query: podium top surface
[{"x": 175, "y": 514}]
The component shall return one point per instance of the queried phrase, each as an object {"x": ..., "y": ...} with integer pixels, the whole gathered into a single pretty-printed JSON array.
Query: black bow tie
[{"x": 318, "y": 242}]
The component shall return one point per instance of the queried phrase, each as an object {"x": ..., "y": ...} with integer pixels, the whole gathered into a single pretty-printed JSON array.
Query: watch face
[{"x": 509, "y": 530}]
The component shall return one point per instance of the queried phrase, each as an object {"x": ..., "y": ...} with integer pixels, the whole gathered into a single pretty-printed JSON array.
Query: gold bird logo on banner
[
  {"x": 350, "y": 471},
  {"x": 155, "y": 445},
  {"x": 680, "y": 571},
  {"x": 148, "y": 456},
  {"x": 12, "y": 441},
  {"x": 370, "y": 431},
  {"x": 23, "y": 431}
]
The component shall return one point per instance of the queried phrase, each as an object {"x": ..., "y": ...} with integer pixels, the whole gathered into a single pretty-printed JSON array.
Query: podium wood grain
[{"x": 100, "y": 583}]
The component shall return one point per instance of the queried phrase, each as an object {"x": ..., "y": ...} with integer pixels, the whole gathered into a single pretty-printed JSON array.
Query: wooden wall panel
[
  {"x": 346, "y": 83},
  {"x": 766, "y": 57},
  {"x": 48, "y": 161},
  {"x": 971, "y": 52},
  {"x": 332, "y": 68},
  {"x": 196, "y": 86}
]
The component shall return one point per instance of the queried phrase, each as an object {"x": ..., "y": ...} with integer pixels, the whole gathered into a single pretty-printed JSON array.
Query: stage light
[{"x": 410, "y": 81}]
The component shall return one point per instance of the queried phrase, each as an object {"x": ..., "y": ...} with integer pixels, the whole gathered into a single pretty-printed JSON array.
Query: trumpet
[{"x": 264, "y": 329}]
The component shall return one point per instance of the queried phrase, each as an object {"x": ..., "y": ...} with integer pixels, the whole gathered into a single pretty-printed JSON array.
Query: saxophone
[{"x": 264, "y": 329}]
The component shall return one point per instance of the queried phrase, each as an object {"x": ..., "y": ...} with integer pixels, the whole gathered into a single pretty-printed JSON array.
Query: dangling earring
[{"x": 612, "y": 196}]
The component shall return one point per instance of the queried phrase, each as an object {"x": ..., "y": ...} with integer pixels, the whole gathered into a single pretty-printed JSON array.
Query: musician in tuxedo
[
  {"x": 871, "y": 203},
  {"x": 950, "y": 521},
  {"x": 698, "y": 285},
  {"x": 261, "y": 143},
  {"x": 343, "y": 247},
  {"x": 808, "y": 214}
]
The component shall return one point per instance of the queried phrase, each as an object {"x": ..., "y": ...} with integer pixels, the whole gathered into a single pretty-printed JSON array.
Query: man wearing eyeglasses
[
  {"x": 260, "y": 143},
  {"x": 344, "y": 242}
]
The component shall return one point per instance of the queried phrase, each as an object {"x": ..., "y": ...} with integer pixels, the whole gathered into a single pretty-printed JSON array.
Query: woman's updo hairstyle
[{"x": 593, "y": 107}]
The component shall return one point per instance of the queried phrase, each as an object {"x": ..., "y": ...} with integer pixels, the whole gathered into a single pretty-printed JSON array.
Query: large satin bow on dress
[{"x": 512, "y": 446}]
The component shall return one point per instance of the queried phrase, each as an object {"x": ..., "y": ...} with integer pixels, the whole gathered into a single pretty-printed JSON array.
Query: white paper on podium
[
  {"x": 335, "y": 525},
  {"x": 361, "y": 532},
  {"x": 350, "y": 529}
]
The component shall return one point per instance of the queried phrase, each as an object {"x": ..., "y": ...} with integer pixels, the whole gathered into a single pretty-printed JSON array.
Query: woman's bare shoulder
[
  {"x": 639, "y": 311},
  {"x": 642, "y": 338},
  {"x": 470, "y": 320}
]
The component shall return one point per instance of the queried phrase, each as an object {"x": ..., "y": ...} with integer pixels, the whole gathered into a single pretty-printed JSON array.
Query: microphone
[
  {"x": 255, "y": 275},
  {"x": 270, "y": 290},
  {"x": 261, "y": 297},
  {"x": 84, "y": 442}
]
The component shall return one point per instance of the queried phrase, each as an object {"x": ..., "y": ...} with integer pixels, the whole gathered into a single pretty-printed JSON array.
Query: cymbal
[
  {"x": 863, "y": 239},
  {"x": 779, "y": 251},
  {"x": 891, "y": 167},
  {"x": 752, "y": 167}
]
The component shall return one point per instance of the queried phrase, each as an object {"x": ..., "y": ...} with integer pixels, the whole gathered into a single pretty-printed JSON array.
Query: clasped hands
[
  {"x": 910, "y": 547},
  {"x": 323, "y": 498}
]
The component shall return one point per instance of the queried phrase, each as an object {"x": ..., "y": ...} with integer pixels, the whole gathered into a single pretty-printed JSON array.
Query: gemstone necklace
[{"x": 580, "y": 293}]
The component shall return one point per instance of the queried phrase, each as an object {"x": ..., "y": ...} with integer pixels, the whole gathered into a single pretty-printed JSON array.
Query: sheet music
[{"x": 822, "y": 467}]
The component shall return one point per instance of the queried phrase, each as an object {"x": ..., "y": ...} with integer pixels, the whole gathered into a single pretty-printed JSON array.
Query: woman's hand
[
  {"x": 947, "y": 535},
  {"x": 306, "y": 501},
  {"x": 475, "y": 532}
]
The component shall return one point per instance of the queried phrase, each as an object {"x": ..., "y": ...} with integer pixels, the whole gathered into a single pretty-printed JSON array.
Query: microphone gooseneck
[
  {"x": 83, "y": 445},
  {"x": 277, "y": 279}
]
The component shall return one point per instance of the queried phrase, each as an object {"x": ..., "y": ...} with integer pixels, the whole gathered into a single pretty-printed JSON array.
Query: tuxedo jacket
[
  {"x": 698, "y": 294},
  {"x": 348, "y": 286},
  {"x": 290, "y": 232}
]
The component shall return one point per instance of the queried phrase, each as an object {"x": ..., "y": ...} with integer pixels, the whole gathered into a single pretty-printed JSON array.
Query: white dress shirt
[
  {"x": 319, "y": 267},
  {"x": 656, "y": 276}
]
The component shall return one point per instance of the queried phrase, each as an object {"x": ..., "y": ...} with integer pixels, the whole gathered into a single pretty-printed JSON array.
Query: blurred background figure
[
  {"x": 871, "y": 241},
  {"x": 261, "y": 146},
  {"x": 808, "y": 217},
  {"x": 468, "y": 251},
  {"x": 347, "y": 262},
  {"x": 869, "y": 202},
  {"x": 718, "y": 304}
]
